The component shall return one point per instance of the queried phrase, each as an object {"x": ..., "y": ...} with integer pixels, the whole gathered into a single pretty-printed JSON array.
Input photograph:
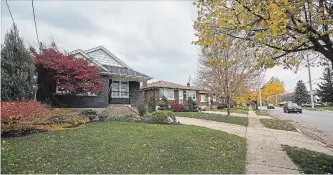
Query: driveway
[{"x": 316, "y": 124}]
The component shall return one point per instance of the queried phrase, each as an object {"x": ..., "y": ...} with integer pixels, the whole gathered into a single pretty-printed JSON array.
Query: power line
[
  {"x": 10, "y": 12},
  {"x": 33, "y": 11}
]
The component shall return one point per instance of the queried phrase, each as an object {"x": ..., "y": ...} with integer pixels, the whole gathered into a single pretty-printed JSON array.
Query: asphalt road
[{"x": 319, "y": 122}]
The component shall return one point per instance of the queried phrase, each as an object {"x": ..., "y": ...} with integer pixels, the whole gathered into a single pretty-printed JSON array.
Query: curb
[
  {"x": 318, "y": 142},
  {"x": 298, "y": 130}
]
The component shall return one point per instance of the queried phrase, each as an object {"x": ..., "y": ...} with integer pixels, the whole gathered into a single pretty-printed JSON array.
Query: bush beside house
[
  {"x": 22, "y": 117},
  {"x": 178, "y": 107},
  {"x": 192, "y": 105},
  {"x": 163, "y": 104},
  {"x": 151, "y": 105},
  {"x": 162, "y": 117}
]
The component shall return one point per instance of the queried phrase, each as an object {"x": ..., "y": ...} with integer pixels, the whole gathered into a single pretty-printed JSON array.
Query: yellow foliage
[
  {"x": 271, "y": 23},
  {"x": 272, "y": 88}
]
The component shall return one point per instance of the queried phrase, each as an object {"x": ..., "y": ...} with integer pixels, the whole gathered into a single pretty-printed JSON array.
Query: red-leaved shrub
[
  {"x": 18, "y": 116},
  {"x": 73, "y": 76},
  {"x": 178, "y": 107}
]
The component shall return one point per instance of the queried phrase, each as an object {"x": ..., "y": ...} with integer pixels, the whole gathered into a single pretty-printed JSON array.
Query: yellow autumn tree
[
  {"x": 273, "y": 87},
  {"x": 279, "y": 30},
  {"x": 248, "y": 97}
]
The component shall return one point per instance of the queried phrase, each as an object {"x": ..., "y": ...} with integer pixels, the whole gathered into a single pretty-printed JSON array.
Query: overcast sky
[{"x": 151, "y": 37}]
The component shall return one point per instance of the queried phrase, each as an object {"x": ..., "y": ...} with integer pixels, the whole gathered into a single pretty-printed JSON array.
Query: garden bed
[{"x": 115, "y": 147}]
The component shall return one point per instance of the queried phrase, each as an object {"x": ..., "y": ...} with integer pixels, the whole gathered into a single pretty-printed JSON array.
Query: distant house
[
  {"x": 122, "y": 83},
  {"x": 176, "y": 93}
]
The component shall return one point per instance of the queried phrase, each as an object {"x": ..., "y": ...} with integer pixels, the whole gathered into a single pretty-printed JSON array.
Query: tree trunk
[
  {"x": 256, "y": 105},
  {"x": 228, "y": 106}
]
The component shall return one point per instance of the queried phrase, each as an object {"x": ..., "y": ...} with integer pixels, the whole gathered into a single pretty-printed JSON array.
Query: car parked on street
[
  {"x": 270, "y": 106},
  {"x": 292, "y": 107}
]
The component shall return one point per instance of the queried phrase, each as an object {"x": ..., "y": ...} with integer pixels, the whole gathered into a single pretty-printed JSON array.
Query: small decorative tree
[
  {"x": 163, "y": 103},
  {"x": 73, "y": 76},
  {"x": 192, "y": 105},
  {"x": 151, "y": 105},
  {"x": 142, "y": 110}
]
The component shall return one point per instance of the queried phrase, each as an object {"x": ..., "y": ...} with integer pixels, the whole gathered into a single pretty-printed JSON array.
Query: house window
[
  {"x": 191, "y": 94},
  {"x": 120, "y": 89},
  {"x": 203, "y": 98},
  {"x": 214, "y": 98},
  {"x": 168, "y": 93}
]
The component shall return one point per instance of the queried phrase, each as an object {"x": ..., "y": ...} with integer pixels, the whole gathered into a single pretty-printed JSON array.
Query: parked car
[
  {"x": 306, "y": 105},
  {"x": 319, "y": 104},
  {"x": 270, "y": 106},
  {"x": 292, "y": 107}
]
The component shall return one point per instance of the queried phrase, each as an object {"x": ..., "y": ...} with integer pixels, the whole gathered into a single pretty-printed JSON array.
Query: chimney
[{"x": 189, "y": 80}]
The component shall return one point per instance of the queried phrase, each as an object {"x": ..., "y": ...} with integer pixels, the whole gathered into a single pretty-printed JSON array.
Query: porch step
[{"x": 121, "y": 110}]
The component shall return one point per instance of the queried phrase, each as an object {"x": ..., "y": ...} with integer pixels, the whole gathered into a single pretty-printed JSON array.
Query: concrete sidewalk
[
  {"x": 265, "y": 154},
  {"x": 226, "y": 127}
]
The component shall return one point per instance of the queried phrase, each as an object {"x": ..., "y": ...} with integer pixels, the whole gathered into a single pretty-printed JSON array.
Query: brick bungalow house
[
  {"x": 122, "y": 83},
  {"x": 176, "y": 93}
]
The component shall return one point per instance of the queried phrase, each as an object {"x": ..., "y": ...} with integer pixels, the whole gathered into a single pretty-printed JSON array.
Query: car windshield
[{"x": 293, "y": 105}]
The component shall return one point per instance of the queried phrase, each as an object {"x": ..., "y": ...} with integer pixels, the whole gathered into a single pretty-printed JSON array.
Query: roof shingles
[{"x": 166, "y": 84}]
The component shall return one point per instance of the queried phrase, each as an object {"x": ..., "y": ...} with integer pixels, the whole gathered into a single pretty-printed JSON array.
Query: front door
[{"x": 180, "y": 94}]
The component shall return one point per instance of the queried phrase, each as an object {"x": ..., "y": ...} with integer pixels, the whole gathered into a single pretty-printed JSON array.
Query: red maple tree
[{"x": 72, "y": 75}]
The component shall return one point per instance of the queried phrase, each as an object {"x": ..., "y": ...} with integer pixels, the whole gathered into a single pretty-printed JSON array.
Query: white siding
[
  {"x": 103, "y": 58},
  {"x": 80, "y": 56}
]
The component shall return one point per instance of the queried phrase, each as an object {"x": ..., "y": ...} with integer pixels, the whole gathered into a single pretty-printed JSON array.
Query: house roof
[
  {"x": 120, "y": 69},
  {"x": 109, "y": 53},
  {"x": 166, "y": 84},
  {"x": 79, "y": 51}
]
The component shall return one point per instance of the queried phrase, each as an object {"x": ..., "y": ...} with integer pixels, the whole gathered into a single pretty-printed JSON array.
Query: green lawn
[
  {"x": 329, "y": 108},
  {"x": 310, "y": 162},
  {"x": 215, "y": 117},
  {"x": 113, "y": 147},
  {"x": 237, "y": 109},
  {"x": 277, "y": 124}
]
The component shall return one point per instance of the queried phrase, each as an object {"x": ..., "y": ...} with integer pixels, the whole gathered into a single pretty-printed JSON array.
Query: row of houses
[
  {"x": 123, "y": 85},
  {"x": 177, "y": 93}
]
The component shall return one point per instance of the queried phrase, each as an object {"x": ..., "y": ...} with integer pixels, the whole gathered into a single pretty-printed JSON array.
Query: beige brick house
[{"x": 175, "y": 93}]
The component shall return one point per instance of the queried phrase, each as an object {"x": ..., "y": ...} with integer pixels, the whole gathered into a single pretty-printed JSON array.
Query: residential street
[{"x": 317, "y": 124}]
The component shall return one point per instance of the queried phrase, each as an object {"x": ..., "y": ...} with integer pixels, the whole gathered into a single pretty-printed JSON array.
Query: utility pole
[
  {"x": 276, "y": 99},
  {"x": 311, "y": 93}
]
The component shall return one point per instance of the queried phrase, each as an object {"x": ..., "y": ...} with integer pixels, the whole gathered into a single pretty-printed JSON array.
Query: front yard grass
[
  {"x": 215, "y": 117},
  {"x": 133, "y": 148},
  {"x": 310, "y": 162},
  {"x": 277, "y": 124}
]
